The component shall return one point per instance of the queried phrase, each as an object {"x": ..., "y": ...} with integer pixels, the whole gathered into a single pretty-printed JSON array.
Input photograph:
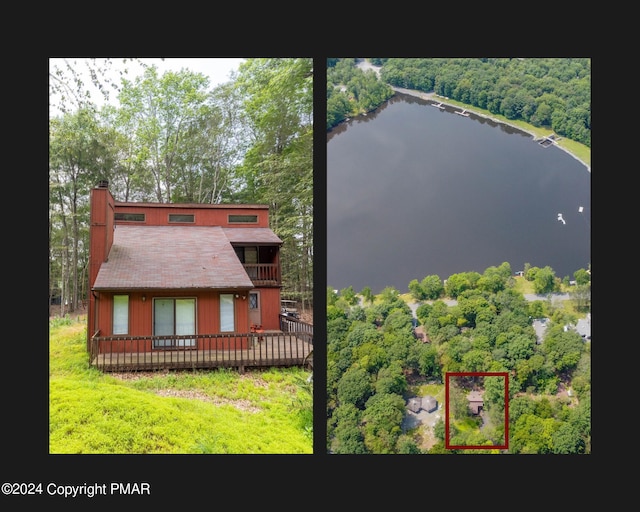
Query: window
[
  {"x": 174, "y": 316},
  {"x": 136, "y": 217},
  {"x": 120, "y": 314},
  {"x": 227, "y": 316},
  {"x": 243, "y": 218},
  {"x": 181, "y": 217},
  {"x": 247, "y": 254}
]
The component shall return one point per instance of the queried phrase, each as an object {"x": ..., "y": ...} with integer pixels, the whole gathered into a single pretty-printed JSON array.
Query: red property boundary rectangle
[{"x": 449, "y": 446}]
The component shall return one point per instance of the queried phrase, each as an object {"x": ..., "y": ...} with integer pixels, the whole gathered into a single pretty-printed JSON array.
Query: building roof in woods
[
  {"x": 414, "y": 404},
  {"x": 428, "y": 403},
  {"x": 584, "y": 326},
  {"x": 251, "y": 235},
  {"x": 475, "y": 396},
  {"x": 475, "y": 401},
  {"x": 176, "y": 257}
]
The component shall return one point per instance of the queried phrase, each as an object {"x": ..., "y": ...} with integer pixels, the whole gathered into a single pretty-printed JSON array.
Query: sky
[{"x": 218, "y": 69}]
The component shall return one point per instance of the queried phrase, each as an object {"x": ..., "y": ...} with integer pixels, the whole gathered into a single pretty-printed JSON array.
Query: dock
[{"x": 548, "y": 141}]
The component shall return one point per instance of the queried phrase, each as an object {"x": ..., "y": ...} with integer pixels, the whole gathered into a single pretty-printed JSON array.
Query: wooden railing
[
  {"x": 290, "y": 323},
  {"x": 293, "y": 324},
  {"x": 263, "y": 274},
  {"x": 264, "y": 349}
]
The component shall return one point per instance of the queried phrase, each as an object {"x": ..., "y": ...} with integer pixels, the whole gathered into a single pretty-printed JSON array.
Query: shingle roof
[
  {"x": 251, "y": 235},
  {"x": 584, "y": 326},
  {"x": 475, "y": 396},
  {"x": 415, "y": 404},
  {"x": 429, "y": 403},
  {"x": 169, "y": 257},
  {"x": 540, "y": 327}
]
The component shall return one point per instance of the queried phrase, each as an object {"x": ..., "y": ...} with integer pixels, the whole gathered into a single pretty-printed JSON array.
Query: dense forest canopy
[
  {"x": 375, "y": 362},
  {"x": 172, "y": 138},
  {"x": 553, "y": 93}
]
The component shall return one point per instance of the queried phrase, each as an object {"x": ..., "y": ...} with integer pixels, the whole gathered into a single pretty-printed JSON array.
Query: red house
[{"x": 182, "y": 285}]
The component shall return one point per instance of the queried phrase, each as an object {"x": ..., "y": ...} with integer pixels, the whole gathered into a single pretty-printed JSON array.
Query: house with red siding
[{"x": 166, "y": 277}]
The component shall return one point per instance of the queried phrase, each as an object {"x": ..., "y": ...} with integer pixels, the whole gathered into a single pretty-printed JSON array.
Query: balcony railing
[{"x": 263, "y": 274}]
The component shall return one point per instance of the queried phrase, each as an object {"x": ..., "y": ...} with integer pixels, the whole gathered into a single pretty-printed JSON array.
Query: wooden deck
[{"x": 270, "y": 348}]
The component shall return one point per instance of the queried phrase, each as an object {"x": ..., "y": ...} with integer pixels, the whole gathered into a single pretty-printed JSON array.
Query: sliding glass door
[{"x": 174, "y": 316}]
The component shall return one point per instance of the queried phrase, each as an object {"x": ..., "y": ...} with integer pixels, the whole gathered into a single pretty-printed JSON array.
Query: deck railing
[
  {"x": 292, "y": 324},
  {"x": 239, "y": 350}
]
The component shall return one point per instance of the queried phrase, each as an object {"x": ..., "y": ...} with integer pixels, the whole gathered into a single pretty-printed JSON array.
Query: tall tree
[
  {"x": 77, "y": 155},
  {"x": 278, "y": 167},
  {"x": 162, "y": 110}
]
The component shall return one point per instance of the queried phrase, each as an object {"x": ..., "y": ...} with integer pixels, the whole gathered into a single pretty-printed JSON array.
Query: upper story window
[
  {"x": 181, "y": 217},
  {"x": 135, "y": 217},
  {"x": 244, "y": 219},
  {"x": 247, "y": 254}
]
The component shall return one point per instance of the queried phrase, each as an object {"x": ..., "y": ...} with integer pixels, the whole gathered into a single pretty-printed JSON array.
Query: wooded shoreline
[
  {"x": 432, "y": 96},
  {"x": 364, "y": 64}
]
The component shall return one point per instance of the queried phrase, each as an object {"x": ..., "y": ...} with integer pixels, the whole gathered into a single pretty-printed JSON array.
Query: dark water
[{"x": 414, "y": 191}]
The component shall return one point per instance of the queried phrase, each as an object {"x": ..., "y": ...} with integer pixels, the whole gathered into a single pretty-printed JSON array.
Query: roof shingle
[
  {"x": 170, "y": 257},
  {"x": 251, "y": 235}
]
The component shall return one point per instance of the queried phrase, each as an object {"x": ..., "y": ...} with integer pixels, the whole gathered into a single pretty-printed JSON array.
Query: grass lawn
[
  {"x": 435, "y": 390},
  {"x": 180, "y": 412}
]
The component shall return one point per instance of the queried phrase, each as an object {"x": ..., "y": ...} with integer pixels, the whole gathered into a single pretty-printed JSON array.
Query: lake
[{"x": 414, "y": 190}]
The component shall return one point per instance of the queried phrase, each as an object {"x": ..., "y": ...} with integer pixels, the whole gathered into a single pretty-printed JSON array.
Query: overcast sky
[{"x": 217, "y": 69}]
